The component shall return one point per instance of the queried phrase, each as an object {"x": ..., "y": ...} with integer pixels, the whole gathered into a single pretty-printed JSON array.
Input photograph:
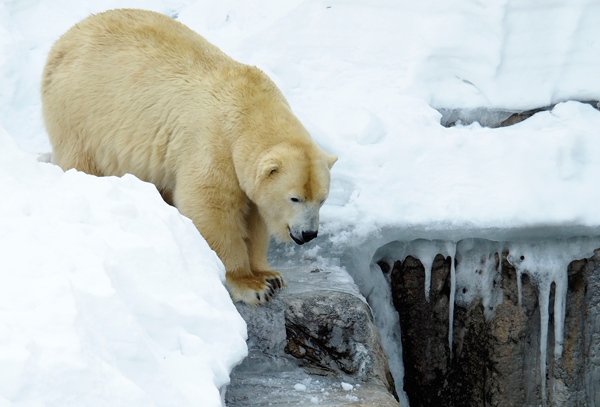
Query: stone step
[{"x": 315, "y": 343}]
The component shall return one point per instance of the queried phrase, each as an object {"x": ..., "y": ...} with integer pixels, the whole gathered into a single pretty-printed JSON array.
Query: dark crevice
[{"x": 494, "y": 118}]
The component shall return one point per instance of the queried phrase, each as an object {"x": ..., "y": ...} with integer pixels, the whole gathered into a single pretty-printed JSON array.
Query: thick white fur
[{"x": 133, "y": 91}]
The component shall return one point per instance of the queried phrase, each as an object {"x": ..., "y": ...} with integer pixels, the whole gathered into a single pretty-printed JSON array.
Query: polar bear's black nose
[{"x": 308, "y": 236}]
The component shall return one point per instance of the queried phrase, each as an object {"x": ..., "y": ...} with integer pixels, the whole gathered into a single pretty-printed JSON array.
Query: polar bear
[{"x": 134, "y": 91}]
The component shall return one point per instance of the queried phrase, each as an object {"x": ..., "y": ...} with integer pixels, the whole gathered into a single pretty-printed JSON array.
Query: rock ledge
[{"x": 315, "y": 343}]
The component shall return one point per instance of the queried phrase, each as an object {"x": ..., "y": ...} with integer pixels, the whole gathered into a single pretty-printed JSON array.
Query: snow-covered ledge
[{"x": 484, "y": 260}]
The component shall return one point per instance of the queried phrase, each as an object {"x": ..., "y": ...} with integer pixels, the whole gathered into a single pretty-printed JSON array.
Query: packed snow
[
  {"x": 299, "y": 387},
  {"x": 347, "y": 386},
  {"x": 368, "y": 79}
]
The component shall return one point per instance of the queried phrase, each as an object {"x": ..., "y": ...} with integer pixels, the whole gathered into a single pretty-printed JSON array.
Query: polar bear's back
[
  {"x": 144, "y": 34},
  {"x": 118, "y": 89}
]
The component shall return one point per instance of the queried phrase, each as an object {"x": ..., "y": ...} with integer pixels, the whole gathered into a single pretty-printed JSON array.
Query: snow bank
[
  {"x": 469, "y": 181},
  {"x": 108, "y": 296},
  {"x": 365, "y": 78}
]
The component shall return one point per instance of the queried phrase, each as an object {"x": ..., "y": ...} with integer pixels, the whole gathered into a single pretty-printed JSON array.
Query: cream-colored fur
[{"x": 133, "y": 91}]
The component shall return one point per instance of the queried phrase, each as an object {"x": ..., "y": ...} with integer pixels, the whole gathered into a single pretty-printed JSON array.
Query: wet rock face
[
  {"x": 331, "y": 332},
  {"x": 496, "y": 361},
  {"x": 425, "y": 344},
  {"x": 577, "y": 375}
]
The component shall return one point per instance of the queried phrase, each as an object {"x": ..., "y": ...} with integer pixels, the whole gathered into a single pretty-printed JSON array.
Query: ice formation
[
  {"x": 478, "y": 271},
  {"x": 451, "y": 252},
  {"x": 546, "y": 262},
  {"x": 478, "y": 274},
  {"x": 347, "y": 386}
]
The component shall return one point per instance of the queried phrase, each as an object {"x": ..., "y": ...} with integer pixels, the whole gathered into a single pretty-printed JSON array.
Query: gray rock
[
  {"x": 494, "y": 117},
  {"x": 314, "y": 334}
]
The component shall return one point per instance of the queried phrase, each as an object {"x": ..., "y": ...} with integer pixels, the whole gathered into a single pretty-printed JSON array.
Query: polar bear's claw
[
  {"x": 274, "y": 283},
  {"x": 255, "y": 289}
]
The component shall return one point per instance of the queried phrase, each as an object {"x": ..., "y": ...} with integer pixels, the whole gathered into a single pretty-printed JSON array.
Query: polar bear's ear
[
  {"x": 270, "y": 167},
  {"x": 331, "y": 159}
]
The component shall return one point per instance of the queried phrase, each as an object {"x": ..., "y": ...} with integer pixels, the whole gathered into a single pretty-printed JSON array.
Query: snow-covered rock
[
  {"x": 315, "y": 341},
  {"x": 525, "y": 323}
]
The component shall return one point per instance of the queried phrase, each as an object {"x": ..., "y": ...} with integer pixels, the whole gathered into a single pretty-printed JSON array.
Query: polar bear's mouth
[{"x": 294, "y": 238}]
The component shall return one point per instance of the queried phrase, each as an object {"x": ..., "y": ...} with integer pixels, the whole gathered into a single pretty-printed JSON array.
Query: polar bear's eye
[{"x": 294, "y": 199}]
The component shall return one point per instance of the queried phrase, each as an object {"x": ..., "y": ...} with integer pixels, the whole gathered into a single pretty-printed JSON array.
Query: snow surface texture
[
  {"x": 363, "y": 77},
  {"x": 366, "y": 77},
  {"x": 108, "y": 296}
]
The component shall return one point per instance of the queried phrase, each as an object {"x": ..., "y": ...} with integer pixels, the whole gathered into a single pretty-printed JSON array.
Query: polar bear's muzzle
[
  {"x": 304, "y": 226},
  {"x": 305, "y": 236}
]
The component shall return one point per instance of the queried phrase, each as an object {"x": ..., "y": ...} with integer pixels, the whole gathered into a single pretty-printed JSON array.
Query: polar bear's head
[{"x": 292, "y": 185}]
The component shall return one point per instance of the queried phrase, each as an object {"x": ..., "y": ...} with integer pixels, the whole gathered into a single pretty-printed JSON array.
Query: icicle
[
  {"x": 560, "y": 296},
  {"x": 427, "y": 263},
  {"x": 544, "y": 317},
  {"x": 451, "y": 251},
  {"x": 425, "y": 251},
  {"x": 520, "y": 286}
]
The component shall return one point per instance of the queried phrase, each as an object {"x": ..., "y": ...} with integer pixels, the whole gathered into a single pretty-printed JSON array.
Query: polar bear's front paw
[{"x": 255, "y": 289}]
